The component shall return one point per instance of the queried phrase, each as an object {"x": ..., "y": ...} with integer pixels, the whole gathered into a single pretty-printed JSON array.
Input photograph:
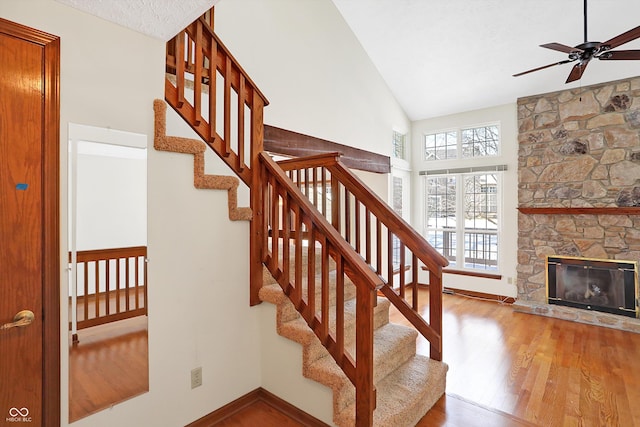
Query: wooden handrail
[
  {"x": 284, "y": 203},
  {"x": 351, "y": 200},
  {"x": 95, "y": 268},
  {"x": 293, "y": 217}
]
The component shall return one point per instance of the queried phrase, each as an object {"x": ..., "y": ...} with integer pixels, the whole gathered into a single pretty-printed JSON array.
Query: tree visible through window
[{"x": 462, "y": 208}]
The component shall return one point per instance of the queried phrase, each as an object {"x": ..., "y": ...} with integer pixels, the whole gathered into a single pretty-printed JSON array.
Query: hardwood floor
[
  {"x": 115, "y": 350},
  {"x": 548, "y": 372},
  {"x": 505, "y": 369}
]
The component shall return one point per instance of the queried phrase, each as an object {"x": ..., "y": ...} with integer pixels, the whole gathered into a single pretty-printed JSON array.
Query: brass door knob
[{"x": 21, "y": 319}]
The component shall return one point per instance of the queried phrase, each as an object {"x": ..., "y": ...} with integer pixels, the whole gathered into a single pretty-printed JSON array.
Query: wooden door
[{"x": 29, "y": 226}]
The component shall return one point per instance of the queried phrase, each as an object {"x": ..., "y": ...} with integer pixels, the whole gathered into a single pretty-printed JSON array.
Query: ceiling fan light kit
[{"x": 585, "y": 52}]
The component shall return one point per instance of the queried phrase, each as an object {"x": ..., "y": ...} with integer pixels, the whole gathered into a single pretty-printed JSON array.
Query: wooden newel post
[
  {"x": 257, "y": 202},
  {"x": 365, "y": 390},
  {"x": 435, "y": 310}
]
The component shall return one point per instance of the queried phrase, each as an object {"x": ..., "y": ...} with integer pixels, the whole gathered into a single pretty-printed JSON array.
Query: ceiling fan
[{"x": 585, "y": 52}]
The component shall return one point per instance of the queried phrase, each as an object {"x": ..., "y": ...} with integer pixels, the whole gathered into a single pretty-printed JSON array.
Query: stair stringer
[{"x": 196, "y": 147}]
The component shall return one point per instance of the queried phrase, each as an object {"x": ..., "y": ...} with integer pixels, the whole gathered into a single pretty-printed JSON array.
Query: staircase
[
  {"x": 328, "y": 252},
  {"x": 407, "y": 384}
]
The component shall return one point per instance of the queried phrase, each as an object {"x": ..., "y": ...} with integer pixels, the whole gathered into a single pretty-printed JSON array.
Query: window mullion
[{"x": 460, "y": 215}]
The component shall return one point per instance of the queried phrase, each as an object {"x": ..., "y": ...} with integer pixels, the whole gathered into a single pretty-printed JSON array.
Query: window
[
  {"x": 462, "y": 205},
  {"x": 399, "y": 145},
  {"x": 397, "y": 207},
  {"x": 479, "y": 141}
]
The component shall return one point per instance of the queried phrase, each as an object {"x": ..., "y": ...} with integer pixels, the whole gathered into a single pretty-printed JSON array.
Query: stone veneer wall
[{"x": 577, "y": 148}]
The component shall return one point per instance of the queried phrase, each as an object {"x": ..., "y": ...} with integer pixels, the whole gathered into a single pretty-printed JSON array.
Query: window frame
[
  {"x": 462, "y": 168},
  {"x": 458, "y": 131}
]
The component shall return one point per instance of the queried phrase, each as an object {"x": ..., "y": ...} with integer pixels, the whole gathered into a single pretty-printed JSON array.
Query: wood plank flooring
[
  {"x": 545, "y": 371},
  {"x": 116, "y": 350},
  {"x": 514, "y": 369}
]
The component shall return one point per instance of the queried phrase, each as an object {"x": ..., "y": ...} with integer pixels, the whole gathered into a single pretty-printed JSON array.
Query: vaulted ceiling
[{"x": 442, "y": 56}]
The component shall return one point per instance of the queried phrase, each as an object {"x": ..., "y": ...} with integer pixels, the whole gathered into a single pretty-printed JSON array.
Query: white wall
[
  {"x": 506, "y": 116},
  {"x": 109, "y": 78},
  {"x": 319, "y": 81}
]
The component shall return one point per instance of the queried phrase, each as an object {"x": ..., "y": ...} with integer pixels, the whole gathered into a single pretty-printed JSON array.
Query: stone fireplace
[{"x": 579, "y": 187}]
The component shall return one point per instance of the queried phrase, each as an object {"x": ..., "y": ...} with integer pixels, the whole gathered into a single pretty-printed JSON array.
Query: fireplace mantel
[{"x": 580, "y": 211}]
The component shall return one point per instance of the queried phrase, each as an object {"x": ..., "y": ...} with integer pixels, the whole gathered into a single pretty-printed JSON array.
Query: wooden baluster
[
  {"x": 137, "y": 282},
  {"x": 286, "y": 225},
  {"x": 299, "y": 179},
  {"x": 267, "y": 201},
  {"x": 311, "y": 273},
  {"x": 118, "y": 309},
  {"x": 275, "y": 228},
  {"x": 86, "y": 291},
  {"x": 107, "y": 284},
  {"x": 127, "y": 284},
  {"x": 144, "y": 272},
  {"x": 306, "y": 183},
  {"x": 347, "y": 215},
  {"x": 414, "y": 282},
  {"x": 390, "y": 258},
  {"x": 324, "y": 192},
  {"x": 315, "y": 187},
  {"x": 213, "y": 74},
  {"x": 357, "y": 224},
  {"x": 402, "y": 270},
  {"x": 298, "y": 257},
  {"x": 340, "y": 308},
  {"x": 324, "y": 296},
  {"x": 189, "y": 66},
  {"x": 227, "y": 108},
  {"x": 435, "y": 310},
  {"x": 367, "y": 235},
  {"x": 197, "y": 76},
  {"x": 335, "y": 203},
  {"x": 241, "y": 104},
  {"x": 180, "y": 68},
  {"x": 378, "y": 246},
  {"x": 96, "y": 272}
]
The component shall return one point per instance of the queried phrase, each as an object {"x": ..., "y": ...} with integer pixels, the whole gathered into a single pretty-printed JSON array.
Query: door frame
[{"x": 51, "y": 215}]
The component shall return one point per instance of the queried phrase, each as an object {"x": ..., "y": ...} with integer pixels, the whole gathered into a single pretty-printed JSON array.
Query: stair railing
[
  {"x": 390, "y": 246},
  {"x": 209, "y": 89},
  {"x": 295, "y": 230}
]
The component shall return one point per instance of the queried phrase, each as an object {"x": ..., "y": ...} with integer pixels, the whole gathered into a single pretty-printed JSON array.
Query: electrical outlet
[
  {"x": 196, "y": 377},
  {"x": 510, "y": 280}
]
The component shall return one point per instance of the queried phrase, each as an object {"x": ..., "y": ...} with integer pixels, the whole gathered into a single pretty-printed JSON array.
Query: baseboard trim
[
  {"x": 250, "y": 398},
  {"x": 474, "y": 294}
]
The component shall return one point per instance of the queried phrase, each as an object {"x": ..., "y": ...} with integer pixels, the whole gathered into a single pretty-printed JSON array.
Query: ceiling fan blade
[
  {"x": 620, "y": 55},
  {"x": 623, "y": 38},
  {"x": 542, "y": 68},
  {"x": 577, "y": 71},
  {"x": 561, "y": 47}
]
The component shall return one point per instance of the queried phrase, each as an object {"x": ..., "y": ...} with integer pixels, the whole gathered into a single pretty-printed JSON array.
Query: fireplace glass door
[{"x": 602, "y": 285}]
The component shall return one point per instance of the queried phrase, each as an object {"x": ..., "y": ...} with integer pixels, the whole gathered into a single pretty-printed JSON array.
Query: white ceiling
[{"x": 442, "y": 56}]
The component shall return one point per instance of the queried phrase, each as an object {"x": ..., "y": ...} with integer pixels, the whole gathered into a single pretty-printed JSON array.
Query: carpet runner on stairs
[{"x": 407, "y": 384}]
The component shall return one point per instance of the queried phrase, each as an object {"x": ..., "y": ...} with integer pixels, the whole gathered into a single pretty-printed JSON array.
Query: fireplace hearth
[{"x": 609, "y": 286}]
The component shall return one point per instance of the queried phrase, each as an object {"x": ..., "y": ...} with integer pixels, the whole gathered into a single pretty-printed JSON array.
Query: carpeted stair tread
[
  {"x": 393, "y": 345},
  {"x": 407, "y": 385},
  {"x": 405, "y": 395}
]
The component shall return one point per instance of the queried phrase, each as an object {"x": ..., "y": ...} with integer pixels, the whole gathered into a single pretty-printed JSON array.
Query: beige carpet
[
  {"x": 407, "y": 385},
  {"x": 197, "y": 147}
]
